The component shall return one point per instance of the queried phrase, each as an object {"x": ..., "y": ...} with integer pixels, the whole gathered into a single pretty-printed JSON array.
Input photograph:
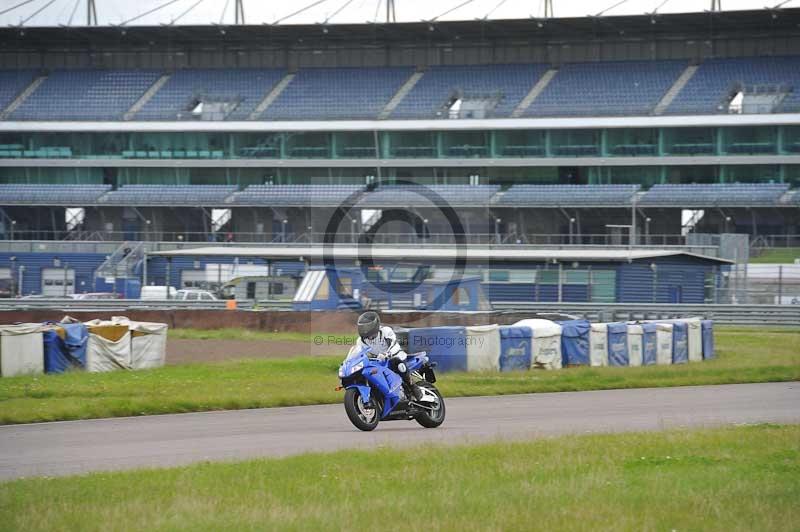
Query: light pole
[
  {"x": 571, "y": 230},
  {"x": 647, "y": 230},
  {"x": 147, "y": 229},
  {"x": 13, "y": 261},
  {"x": 727, "y": 221},
  {"x": 425, "y": 228},
  {"x": 497, "y": 229},
  {"x": 353, "y": 230},
  {"x": 13, "y": 226},
  {"x": 283, "y": 229}
]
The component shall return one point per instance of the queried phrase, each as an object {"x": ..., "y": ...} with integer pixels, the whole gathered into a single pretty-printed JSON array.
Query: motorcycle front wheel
[
  {"x": 364, "y": 417},
  {"x": 435, "y": 417}
]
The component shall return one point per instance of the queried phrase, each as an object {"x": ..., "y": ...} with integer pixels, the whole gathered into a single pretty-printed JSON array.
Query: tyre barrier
[
  {"x": 544, "y": 344},
  {"x": 93, "y": 346}
]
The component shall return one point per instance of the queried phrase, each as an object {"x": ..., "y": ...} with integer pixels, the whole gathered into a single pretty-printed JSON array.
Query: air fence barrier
[
  {"x": 93, "y": 346},
  {"x": 544, "y": 344}
]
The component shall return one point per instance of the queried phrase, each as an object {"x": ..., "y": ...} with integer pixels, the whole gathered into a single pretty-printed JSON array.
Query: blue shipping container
[{"x": 515, "y": 348}]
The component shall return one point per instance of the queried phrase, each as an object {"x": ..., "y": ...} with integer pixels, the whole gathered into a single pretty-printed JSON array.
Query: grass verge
[
  {"x": 777, "y": 256},
  {"x": 744, "y": 355},
  {"x": 256, "y": 336},
  {"x": 739, "y": 478}
]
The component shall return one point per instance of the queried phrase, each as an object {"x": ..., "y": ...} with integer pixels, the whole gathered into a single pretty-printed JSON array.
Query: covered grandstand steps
[
  {"x": 496, "y": 90},
  {"x": 15, "y": 87},
  {"x": 235, "y": 91},
  {"x": 146, "y": 97},
  {"x": 676, "y": 88},
  {"x": 84, "y": 94},
  {"x": 271, "y": 96},
  {"x": 24, "y": 194},
  {"x": 401, "y": 93},
  {"x": 717, "y": 81},
  {"x": 174, "y": 195},
  {"x": 715, "y": 195},
  {"x": 534, "y": 93},
  {"x": 568, "y": 195},
  {"x": 337, "y": 94},
  {"x": 606, "y": 88}
]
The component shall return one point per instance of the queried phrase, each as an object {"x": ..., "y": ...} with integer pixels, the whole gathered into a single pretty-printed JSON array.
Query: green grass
[
  {"x": 777, "y": 256},
  {"x": 744, "y": 355},
  {"x": 739, "y": 478}
]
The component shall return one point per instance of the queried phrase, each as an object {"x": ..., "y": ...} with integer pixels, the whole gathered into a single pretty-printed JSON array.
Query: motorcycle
[{"x": 374, "y": 392}]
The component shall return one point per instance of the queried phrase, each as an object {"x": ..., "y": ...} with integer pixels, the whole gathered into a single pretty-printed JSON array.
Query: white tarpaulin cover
[
  {"x": 109, "y": 346},
  {"x": 695, "y": 339},
  {"x": 546, "y": 348},
  {"x": 148, "y": 342},
  {"x": 664, "y": 343},
  {"x": 21, "y": 349},
  {"x": 483, "y": 348},
  {"x": 598, "y": 344},
  {"x": 635, "y": 337}
]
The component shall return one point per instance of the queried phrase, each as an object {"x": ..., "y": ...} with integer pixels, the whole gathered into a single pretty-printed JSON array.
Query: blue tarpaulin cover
[
  {"x": 617, "y": 344},
  {"x": 575, "y": 342},
  {"x": 447, "y": 346},
  {"x": 515, "y": 348},
  {"x": 61, "y": 355},
  {"x": 708, "y": 338},
  {"x": 680, "y": 342},
  {"x": 649, "y": 343}
]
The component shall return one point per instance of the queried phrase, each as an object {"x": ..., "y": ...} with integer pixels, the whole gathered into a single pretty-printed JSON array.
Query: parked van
[{"x": 157, "y": 292}]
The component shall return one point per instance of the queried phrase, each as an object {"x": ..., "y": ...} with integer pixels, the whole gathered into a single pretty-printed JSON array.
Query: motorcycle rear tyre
[{"x": 424, "y": 418}]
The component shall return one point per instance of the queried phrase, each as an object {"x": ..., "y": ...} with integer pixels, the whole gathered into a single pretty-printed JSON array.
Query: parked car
[
  {"x": 194, "y": 295},
  {"x": 96, "y": 295}
]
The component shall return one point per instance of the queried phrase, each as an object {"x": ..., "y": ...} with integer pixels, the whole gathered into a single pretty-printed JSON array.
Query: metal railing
[{"x": 724, "y": 314}]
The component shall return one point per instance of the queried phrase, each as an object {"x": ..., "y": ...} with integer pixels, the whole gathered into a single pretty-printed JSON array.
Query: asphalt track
[{"x": 72, "y": 447}]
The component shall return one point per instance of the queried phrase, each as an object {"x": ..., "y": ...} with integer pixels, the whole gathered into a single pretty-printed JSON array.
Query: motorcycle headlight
[
  {"x": 341, "y": 371},
  {"x": 356, "y": 368}
]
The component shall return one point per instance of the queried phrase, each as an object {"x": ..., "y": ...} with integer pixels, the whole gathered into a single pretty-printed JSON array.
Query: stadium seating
[
  {"x": 248, "y": 86},
  {"x": 454, "y": 195},
  {"x": 707, "y": 91},
  {"x": 337, "y": 93},
  {"x": 12, "y": 82},
  {"x": 508, "y": 83},
  {"x": 189, "y": 195},
  {"x": 85, "y": 95},
  {"x": 51, "y": 194},
  {"x": 277, "y": 195},
  {"x": 610, "y": 88},
  {"x": 574, "y": 195},
  {"x": 707, "y": 195}
]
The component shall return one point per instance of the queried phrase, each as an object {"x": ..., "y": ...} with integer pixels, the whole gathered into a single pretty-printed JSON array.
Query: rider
[{"x": 382, "y": 343}]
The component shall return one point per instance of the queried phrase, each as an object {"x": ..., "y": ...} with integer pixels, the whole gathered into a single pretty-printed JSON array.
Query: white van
[{"x": 157, "y": 292}]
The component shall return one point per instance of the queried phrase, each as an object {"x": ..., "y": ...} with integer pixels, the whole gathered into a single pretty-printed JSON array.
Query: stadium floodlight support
[
  {"x": 548, "y": 9},
  {"x": 239, "y": 11},
  {"x": 91, "y": 13},
  {"x": 391, "y": 15},
  {"x": 716, "y": 5}
]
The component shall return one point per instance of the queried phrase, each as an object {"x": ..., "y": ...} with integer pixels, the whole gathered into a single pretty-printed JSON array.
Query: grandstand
[{"x": 617, "y": 127}]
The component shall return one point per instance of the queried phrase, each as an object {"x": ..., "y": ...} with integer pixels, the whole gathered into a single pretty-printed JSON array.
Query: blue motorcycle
[{"x": 374, "y": 392}]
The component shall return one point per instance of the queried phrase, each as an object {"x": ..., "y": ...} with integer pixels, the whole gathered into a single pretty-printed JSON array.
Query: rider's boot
[{"x": 415, "y": 390}]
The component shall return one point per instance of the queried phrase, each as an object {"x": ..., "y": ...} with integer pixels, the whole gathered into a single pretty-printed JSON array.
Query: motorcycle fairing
[{"x": 388, "y": 383}]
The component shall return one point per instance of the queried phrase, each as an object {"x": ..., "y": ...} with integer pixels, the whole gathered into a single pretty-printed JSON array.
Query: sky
[{"x": 58, "y": 12}]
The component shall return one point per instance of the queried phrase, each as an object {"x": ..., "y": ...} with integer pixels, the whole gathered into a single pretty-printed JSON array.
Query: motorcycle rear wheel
[
  {"x": 364, "y": 417},
  {"x": 434, "y": 418}
]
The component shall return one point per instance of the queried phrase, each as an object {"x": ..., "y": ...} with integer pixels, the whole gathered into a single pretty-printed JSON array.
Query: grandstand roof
[
  {"x": 346, "y": 252},
  {"x": 631, "y": 27}
]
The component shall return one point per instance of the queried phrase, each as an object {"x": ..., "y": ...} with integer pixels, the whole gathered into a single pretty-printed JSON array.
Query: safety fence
[{"x": 723, "y": 314}]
